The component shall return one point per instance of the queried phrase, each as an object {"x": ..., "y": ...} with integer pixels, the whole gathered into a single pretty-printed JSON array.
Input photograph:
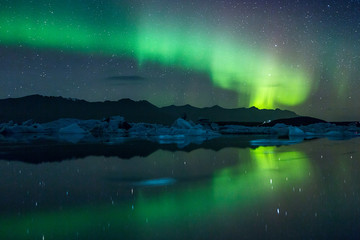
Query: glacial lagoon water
[{"x": 223, "y": 189}]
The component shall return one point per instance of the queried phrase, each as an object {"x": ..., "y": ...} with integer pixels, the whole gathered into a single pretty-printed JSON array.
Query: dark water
[{"x": 305, "y": 191}]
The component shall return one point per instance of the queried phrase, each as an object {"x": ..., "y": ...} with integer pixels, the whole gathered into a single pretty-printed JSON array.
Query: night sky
[{"x": 300, "y": 55}]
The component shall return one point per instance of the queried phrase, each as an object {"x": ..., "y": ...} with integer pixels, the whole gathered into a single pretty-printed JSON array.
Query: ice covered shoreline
[
  {"x": 110, "y": 126},
  {"x": 74, "y": 130}
]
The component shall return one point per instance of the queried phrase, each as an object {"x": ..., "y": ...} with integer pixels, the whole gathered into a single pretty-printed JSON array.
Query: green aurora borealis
[{"x": 265, "y": 73}]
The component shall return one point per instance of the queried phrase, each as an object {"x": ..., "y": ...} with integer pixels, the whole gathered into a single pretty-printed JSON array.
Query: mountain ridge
[{"x": 49, "y": 108}]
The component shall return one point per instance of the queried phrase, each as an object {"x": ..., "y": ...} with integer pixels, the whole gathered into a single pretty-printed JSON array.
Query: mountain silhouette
[{"x": 45, "y": 109}]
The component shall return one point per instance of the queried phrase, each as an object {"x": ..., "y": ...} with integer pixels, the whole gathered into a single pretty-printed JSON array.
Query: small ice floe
[
  {"x": 168, "y": 139},
  {"x": 155, "y": 182},
  {"x": 274, "y": 142}
]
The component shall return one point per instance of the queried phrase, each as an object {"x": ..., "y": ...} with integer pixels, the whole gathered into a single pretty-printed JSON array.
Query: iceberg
[
  {"x": 72, "y": 129},
  {"x": 182, "y": 124}
]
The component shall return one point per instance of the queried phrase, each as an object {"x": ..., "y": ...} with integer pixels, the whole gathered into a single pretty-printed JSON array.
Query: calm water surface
[{"x": 305, "y": 191}]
